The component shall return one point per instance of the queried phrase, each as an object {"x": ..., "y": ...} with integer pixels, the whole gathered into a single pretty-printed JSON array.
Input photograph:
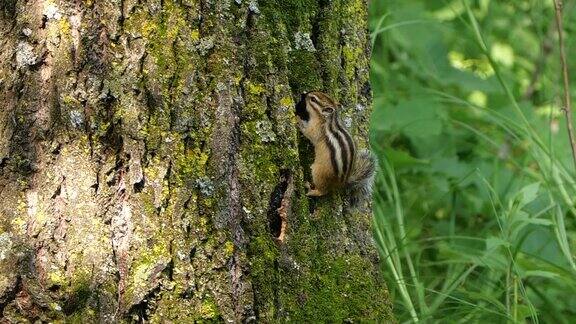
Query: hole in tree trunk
[
  {"x": 279, "y": 206},
  {"x": 139, "y": 186}
]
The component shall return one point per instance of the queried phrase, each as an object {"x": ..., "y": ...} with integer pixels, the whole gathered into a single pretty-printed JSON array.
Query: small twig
[{"x": 567, "y": 102}]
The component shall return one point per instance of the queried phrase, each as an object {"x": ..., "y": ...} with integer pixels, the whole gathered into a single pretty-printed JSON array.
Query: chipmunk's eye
[
  {"x": 328, "y": 110},
  {"x": 313, "y": 99}
]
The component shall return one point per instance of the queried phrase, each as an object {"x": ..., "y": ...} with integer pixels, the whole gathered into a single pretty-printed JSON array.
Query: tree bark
[{"x": 151, "y": 168}]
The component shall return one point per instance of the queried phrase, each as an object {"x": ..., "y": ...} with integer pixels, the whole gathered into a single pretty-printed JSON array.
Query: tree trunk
[{"x": 151, "y": 168}]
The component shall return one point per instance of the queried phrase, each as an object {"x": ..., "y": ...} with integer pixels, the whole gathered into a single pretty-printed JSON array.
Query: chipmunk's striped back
[{"x": 342, "y": 148}]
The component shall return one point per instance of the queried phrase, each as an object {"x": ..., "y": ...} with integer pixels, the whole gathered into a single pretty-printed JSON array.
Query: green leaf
[
  {"x": 450, "y": 166},
  {"x": 529, "y": 193},
  {"x": 400, "y": 158},
  {"x": 494, "y": 242},
  {"x": 540, "y": 273},
  {"x": 416, "y": 118}
]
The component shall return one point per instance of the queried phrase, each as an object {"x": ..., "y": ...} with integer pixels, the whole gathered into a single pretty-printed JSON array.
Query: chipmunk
[{"x": 337, "y": 164}]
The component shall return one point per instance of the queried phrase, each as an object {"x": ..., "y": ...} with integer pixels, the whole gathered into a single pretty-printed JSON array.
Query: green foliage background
[{"x": 474, "y": 204}]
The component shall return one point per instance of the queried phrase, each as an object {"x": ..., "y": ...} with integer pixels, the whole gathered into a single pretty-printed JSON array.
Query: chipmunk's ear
[{"x": 327, "y": 111}]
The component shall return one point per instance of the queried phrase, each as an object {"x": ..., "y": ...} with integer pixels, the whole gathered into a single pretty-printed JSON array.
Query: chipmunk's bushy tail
[{"x": 362, "y": 177}]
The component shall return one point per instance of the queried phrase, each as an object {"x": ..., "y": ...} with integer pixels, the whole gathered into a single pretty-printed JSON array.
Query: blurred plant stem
[
  {"x": 546, "y": 50},
  {"x": 567, "y": 102}
]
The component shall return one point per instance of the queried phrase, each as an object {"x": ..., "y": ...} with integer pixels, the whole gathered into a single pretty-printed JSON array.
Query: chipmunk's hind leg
[{"x": 319, "y": 186}]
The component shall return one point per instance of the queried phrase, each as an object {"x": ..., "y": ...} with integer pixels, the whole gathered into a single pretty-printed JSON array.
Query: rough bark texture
[{"x": 149, "y": 161}]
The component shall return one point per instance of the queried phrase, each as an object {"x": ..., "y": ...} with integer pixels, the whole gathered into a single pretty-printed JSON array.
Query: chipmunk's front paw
[
  {"x": 315, "y": 193},
  {"x": 312, "y": 190}
]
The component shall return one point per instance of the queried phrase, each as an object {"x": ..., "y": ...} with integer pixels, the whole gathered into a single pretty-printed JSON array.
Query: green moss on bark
[{"x": 190, "y": 139}]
